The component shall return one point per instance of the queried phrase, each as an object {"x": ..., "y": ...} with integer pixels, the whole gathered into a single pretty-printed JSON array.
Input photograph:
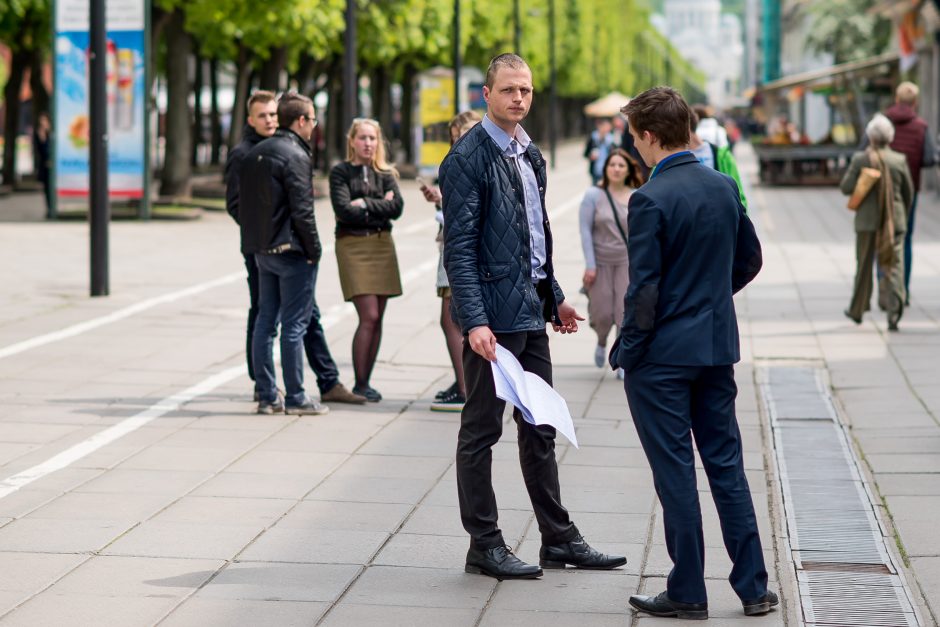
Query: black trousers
[
  {"x": 671, "y": 406},
  {"x": 315, "y": 346},
  {"x": 481, "y": 425}
]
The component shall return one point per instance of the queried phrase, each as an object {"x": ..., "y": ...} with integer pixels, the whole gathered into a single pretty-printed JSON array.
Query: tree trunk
[
  {"x": 197, "y": 112},
  {"x": 11, "y": 121},
  {"x": 177, "y": 171},
  {"x": 215, "y": 117},
  {"x": 271, "y": 69},
  {"x": 335, "y": 133},
  {"x": 407, "y": 112},
  {"x": 239, "y": 107},
  {"x": 40, "y": 93},
  {"x": 382, "y": 99}
]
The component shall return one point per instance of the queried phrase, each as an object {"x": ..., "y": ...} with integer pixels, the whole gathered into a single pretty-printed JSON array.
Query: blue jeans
[{"x": 286, "y": 285}]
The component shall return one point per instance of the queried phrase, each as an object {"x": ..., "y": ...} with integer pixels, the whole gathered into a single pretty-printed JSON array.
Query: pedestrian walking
[
  {"x": 279, "y": 228},
  {"x": 365, "y": 196},
  {"x": 599, "y": 144},
  {"x": 42, "y": 158},
  {"x": 498, "y": 256},
  {"x": 714, "y": 157},
  {"x": 880, "y": 223},
  {"x": 691, "y": 248},
  {"x": 261, "y": 124},
  {"x": 603, "y": 221},
  {"x": 453, "y": 398},
  {"x": 913, "y": 139},
  {"x": 709, "y": 128}
]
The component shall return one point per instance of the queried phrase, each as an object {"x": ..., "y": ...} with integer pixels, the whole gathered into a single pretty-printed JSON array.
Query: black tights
[
  {"x": 454, "y": 339},
  {"x": 368, "y": 336}
]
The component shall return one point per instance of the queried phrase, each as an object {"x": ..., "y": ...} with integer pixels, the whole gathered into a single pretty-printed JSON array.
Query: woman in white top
[{"x": 603, "y": 219}]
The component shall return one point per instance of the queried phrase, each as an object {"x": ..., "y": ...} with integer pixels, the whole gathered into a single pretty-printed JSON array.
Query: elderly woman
[{"x": 880, "y": 223}]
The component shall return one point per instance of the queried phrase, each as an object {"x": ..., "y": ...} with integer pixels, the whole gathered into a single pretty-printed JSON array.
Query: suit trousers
[
  {"x": 481, "y": 425},
  {"x": 890, "y": 280},
  {"x": 671, "y": 406}
]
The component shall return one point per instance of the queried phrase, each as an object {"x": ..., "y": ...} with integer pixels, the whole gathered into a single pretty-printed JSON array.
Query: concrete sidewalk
[{"x": 211, "y": 515}]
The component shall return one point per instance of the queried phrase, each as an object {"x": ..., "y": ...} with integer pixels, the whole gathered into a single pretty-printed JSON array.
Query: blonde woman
[{"x": 365, "y": 197}]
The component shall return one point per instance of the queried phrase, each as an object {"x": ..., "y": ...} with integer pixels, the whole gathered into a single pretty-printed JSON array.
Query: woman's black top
[{"x": 349, "y": 182}]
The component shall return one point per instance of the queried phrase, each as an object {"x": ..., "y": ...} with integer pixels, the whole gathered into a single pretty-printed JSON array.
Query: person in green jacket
[{"x": 712, "y": 156}]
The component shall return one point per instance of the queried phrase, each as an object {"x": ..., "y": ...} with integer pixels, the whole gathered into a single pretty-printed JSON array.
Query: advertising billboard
[{"x": 126, "y": 94}]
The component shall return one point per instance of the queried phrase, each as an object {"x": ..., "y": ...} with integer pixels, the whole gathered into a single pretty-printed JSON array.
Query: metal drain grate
[{"x": 846, "y": 575}]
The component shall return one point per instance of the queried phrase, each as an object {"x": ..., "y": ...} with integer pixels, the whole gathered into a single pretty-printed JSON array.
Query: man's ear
[{"x": 486, "y": 93}]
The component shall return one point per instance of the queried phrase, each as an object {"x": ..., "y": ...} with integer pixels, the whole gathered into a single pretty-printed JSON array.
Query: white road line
[
  {"x": 120, "y": 314},
  {"x": 169, "y": 404}
]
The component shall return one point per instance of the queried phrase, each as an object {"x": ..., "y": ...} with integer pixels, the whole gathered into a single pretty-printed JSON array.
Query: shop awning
[{"x": 823, "y": 76}]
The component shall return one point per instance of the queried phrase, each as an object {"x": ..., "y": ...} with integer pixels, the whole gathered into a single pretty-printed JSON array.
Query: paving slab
[
  {"x": 271, "y": 581},
  {"x": 205, "y": 612}
]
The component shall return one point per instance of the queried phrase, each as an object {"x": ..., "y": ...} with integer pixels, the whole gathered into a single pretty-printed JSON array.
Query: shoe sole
[
  {"x": 454, "y": 409},
  {"x": 680, "y": 614},
  {"x": 346, "y": 401},
  {"x": 553, "y": 565},
  {"x": 759, "y": 609},
  {"x": 296, "y": 411},
  {"x": 269, "y": 411},
  {"x": 476, "y": 570}
]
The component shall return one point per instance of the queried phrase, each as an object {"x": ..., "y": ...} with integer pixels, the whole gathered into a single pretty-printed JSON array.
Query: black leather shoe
[
  {"x": 660, "y": 605},
  {"x": 761, "y": 605},
  {"x": 849, "y": 315},
  {"x": 499, "y": 562},
  {"x": 579, "y": 554}
]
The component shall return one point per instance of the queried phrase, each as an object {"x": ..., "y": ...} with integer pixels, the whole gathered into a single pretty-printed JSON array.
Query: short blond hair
[{"x": 907, "y": 93}]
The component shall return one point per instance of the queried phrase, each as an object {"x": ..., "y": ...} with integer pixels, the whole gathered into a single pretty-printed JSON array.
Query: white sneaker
[{"x": 600, "y": 356}]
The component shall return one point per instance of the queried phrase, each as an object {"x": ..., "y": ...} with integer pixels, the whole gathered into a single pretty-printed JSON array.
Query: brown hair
[
  {"x": 664, "y": 113},
  {"x": 498, "y": 62},
  {"x": 379, "y": 163},
  {"x": 466, "y": 118},
  {"x": 634, "y": 175},
  {"x": 263, "y": 96},
  {"x": 291, "y": 107},
  {"x": 907, "y": 93}
]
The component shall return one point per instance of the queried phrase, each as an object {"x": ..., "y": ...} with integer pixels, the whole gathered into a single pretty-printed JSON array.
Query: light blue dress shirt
[{"x": 514, "y": 148}]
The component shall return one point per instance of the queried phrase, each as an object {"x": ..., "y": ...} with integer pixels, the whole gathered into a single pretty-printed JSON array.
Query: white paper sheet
[{"x": 539, "y": 403}]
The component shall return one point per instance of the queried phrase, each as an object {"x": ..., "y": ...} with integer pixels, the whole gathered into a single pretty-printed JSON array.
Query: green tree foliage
[{"x": 844, "y": 29}]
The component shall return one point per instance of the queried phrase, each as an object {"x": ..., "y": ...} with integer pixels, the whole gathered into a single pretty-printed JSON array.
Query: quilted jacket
[{"x": 486, "y": 239}]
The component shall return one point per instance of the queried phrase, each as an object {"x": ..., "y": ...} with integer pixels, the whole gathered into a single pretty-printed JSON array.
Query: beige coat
[{"x": 868, "y": 216}]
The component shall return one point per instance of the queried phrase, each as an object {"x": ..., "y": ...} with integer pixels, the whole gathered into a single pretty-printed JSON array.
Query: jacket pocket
[{"x": 494, "y": 272}]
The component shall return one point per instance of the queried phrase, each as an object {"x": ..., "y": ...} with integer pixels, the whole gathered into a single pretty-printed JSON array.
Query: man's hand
[
  {"x": 569, "y": 319},
  {"x": 589, "y": 277},
  {"x": 483, "y": 343},
  {"x": 359, "y": 202},
  {"x": 389, "y": 195},
  {"x": 431, "y": 194}
]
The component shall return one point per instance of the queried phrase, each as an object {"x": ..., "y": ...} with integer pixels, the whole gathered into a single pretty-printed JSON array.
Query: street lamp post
[
  {"x": 553, "y": 87},
  {"x": 457, "y": 61},
  {"x": 350, "y": 80},
  {"x": 99, "y": 212}
]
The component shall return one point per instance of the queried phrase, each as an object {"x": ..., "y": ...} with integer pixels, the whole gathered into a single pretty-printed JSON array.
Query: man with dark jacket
[
  {"x": 498, "y": 257},
  {"x": 912, "y": 138},
  {"x": 691, "y": 248},
  {"x": 262, "y": 122},
  {"x": 281, "y": 231}
]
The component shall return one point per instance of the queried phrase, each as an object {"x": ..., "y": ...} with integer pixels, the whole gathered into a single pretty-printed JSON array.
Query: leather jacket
[{"x": 276, "y": 198}]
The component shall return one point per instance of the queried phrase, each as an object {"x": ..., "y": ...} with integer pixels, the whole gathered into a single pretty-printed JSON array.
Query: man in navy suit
[{"x": 691, "y": 248}]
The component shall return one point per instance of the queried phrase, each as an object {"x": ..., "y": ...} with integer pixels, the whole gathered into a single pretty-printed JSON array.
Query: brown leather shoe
[{"x": 339, "y": 394}]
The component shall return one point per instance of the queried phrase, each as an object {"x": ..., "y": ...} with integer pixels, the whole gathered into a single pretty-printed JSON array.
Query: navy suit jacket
[{"x": 691, "y": 247}]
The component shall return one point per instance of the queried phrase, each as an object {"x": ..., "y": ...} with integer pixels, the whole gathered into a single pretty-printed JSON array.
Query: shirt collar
[
  {"x": 502, "y": 139},
  {"x": 659, "y": 166}
]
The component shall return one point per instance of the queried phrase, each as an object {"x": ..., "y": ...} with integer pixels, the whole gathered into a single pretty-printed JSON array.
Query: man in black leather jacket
[
  {"x": 498, "y": 257},
  {"x": 262, "y": 122},
  {"x": 280, "y": 229}
]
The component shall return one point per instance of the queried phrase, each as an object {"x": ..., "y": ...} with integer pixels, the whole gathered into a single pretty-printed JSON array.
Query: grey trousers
[{"x": 890, "y": 284}]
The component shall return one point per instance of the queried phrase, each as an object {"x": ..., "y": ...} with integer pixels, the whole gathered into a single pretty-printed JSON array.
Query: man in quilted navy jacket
[{"x": 498, "y": 257}]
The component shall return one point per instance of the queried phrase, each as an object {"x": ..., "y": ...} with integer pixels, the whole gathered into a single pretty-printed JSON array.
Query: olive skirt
[{"x": 368, "y": 265}]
